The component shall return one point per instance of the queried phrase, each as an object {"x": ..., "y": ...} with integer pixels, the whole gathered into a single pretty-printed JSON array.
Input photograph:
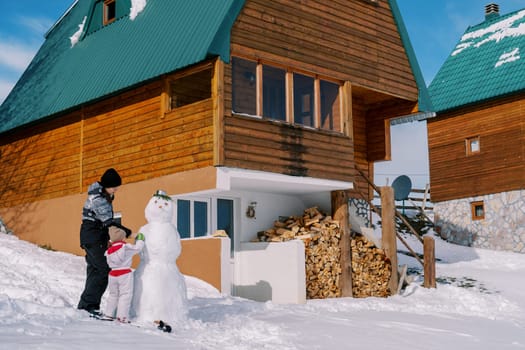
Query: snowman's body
[{"x": 160, "y": 289}]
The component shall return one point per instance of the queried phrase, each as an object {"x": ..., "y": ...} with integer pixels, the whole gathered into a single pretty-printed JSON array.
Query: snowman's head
[{"x": 159, "y": 208}]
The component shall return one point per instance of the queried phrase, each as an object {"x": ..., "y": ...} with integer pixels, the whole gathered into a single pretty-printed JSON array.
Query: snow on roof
[
  {"x": 137, "y": 6},
  {"x": 496, "y": 32},
  {"x": 75, "y": 37},
  {"x": 508, "y": 57}
]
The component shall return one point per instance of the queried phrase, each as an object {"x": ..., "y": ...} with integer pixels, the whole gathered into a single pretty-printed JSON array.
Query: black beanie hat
[{"x": 110, "y": 179}]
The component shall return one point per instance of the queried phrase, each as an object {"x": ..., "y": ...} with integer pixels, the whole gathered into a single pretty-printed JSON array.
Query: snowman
[{"x": 160, "y": 289}]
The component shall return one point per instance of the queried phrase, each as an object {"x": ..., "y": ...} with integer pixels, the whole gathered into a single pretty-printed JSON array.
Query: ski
[
  {"x": 100, "y": 317},
  {"x": 160, "y": 325}
]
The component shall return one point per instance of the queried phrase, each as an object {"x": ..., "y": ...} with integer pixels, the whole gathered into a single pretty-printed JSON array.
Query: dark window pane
[
  {"x": 110, "y": 11},
  {"x": 303, "y": 99},
  {"x": 225, "y": 217},
  {"x": 200, "y": 219},
  {"x": 190, "y": 89},
  {"x": 244, "y": 86},
  {"x": 183, "y": 218},
  {"x": 274, "y": 93},
  {"x": 330, "y": 110},
  {"x": 479, "y": 210}
]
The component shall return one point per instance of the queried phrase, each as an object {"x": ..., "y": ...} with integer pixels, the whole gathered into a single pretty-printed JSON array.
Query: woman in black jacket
[{"x": 97, "y": 216}]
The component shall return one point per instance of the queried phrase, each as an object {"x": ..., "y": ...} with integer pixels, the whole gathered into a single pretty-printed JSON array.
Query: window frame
[
  {"x": 105, "y": 16},
  {"x": 211, "y": 214},
  {"x": 473, "y": 208},
  {"x": 469, "y": 142},
  {"x": 337, "y": 125},
  {"x": 168, "y": 102},
  {"x": 191, "y": 222}
]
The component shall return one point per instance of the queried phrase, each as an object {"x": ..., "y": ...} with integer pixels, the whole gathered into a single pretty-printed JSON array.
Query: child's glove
[{"x": 140, "y": 237}]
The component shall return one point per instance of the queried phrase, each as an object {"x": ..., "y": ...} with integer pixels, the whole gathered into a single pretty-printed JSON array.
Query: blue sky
[{"x": 434, "y": 27}]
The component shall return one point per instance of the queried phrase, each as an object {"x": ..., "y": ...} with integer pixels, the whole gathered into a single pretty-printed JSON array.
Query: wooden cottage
[
  {"x": 477, "y": 139},
  {"x": 243, "y": 111}
]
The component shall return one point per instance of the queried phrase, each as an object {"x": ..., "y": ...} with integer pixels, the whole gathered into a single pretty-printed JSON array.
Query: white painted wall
[
  {"x": 226, "y": 267},
  {"x": 272, "y": 271},
  {"x": 268, "y": 209}
]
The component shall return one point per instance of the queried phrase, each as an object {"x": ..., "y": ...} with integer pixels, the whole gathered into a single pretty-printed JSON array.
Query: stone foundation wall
[{"x": 503, "y": 227}]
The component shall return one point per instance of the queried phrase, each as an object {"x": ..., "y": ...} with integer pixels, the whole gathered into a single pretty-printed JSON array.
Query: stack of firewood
[
  {"x": 371, "y": 269},
  {"x": 321, "y": 235}
]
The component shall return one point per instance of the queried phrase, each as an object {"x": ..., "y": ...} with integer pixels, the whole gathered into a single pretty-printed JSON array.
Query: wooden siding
[
  {"x": 128, "y": 132},
  {"x": 500, "y": 164},
  {"x": 354, "y": 41},
  {"x": 142, "y": 143},
  {"x": 266, "y": 145},
  {"x": 378, "y": 118},
  {"x": 361, "y": 187},
  {"x": 41, "y": 162}
]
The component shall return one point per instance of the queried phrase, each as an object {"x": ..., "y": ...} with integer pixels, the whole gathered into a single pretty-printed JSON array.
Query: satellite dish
[{"x": 402, "y": 187}]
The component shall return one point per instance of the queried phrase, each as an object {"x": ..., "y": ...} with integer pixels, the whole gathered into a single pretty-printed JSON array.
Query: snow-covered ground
[{"x": 479, "y": 304}]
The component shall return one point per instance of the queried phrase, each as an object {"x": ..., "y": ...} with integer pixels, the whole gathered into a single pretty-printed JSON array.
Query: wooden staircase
[{"x": 389, "y": 214}]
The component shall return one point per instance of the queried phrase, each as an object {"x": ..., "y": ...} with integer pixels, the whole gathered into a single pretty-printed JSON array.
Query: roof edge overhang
[
  {"x": 234, "y": 179},
  {"x": 424, "y": 101},
  {"x": 220, "y": 44},
  {"x": 415, "y": 117}
]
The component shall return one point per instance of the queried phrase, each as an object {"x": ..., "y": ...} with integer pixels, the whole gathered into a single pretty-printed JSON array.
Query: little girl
[{"x": 119, "y": 257}]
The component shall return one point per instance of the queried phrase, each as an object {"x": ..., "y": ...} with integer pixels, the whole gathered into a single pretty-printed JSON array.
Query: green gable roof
[
  {"x": 166, "y": 36},
  {"x": 486, "y": 63},
  {"x": 424, "y": 101}
]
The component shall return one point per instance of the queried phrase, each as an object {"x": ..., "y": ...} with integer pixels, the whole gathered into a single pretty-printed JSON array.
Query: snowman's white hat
[{"x": 162, "y": 194}]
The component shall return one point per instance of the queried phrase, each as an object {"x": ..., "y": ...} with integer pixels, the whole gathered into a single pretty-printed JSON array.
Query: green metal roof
[
  {"x": 485, "y": 64},
  {"x": 166, "y": 36},
  {"x": 424, "y": 101}
]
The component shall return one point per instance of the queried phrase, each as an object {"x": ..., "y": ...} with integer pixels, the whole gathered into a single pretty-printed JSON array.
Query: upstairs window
[
  {"x": 473, "y": 146},
  {"x": 303, "y": 100},
  {"x": 245, "y": 90},
  {"x": 280, "y": 94},
  {"x": 274, "y": 97},
  {"x": 190, "y": 88},
  {"x": 110, "y": 11},
  {"x": 330, "y": 106}
]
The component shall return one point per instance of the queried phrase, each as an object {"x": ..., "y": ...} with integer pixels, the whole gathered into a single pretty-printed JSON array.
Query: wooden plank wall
[
  {"x": 266, "y": 145},
  {"x": 378, "y": 127},
  {"x": 128, "y": 132},
  {"x": 360, "y": 149},
  {"x": 354, "y": 41},
  {"x": 499, "y": 166},
  {"x": 40, "y": 162},
  {"x": 132, "y": 135}
]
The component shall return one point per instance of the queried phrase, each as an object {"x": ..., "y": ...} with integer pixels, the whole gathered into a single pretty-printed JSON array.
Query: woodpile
[
  {"x": 321, "y": 236},
  {"x": 371, "y": 269}
]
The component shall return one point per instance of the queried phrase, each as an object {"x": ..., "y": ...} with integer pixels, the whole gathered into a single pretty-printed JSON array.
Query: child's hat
[{"x": 116, "y": 234}]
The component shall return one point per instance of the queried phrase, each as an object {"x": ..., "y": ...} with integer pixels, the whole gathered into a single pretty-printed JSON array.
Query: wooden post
[
  {"x": 218, "y": 112},
  {"x": 388, "y": 238},
  {"x": 429, "y": 262},
  {"x": 340, "y": 213}
]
